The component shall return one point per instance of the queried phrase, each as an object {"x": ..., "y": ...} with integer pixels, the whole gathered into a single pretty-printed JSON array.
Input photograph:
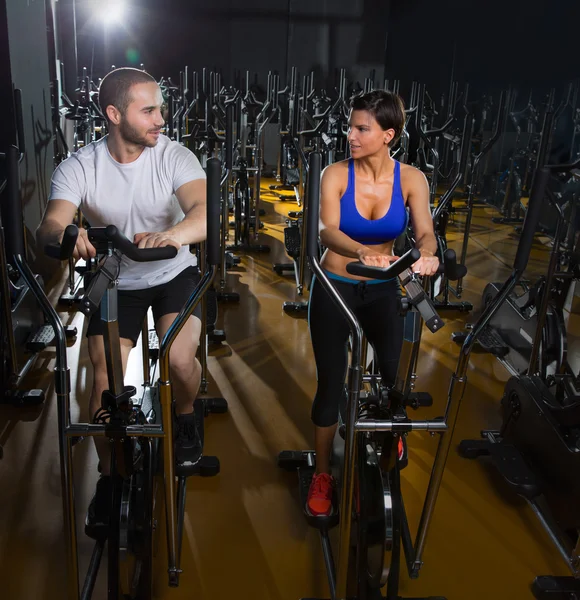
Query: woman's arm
[{"x": 418, "y": 203}]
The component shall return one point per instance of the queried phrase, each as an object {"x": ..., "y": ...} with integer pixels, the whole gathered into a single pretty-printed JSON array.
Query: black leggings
[{"x": 376, "y": 307}]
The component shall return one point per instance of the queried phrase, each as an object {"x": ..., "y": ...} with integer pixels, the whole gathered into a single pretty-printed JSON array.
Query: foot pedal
[
  {"x": 462, "y": 307},
  {"x": 217, "y": 336},
  {"x": 473, "y": 449},
  {"x": 215, "y": 406},
  {"x": 418, "y": 399},
  {"x": 295, "y": 308},
  {"x": 24, "y": 398},
  {"x": 228, "y": 297},
  {"x": 282, "y": 268},
  {"x": 556, "y": 588},
  {"x": 232, "y": 261},
  {"x": 206, "y": 466},
  {"x": 290, "y": 460},
  {"x": 71, "y": 299},
  {"x": 98, "y": 532},
  {"x": 492, "y": 342},
  {"x": 514, "y": 469}
]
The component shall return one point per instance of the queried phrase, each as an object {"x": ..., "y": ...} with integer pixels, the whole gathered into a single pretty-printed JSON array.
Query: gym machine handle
[
  {"x": 65, "y": 249},
  {"x": 212, "y": 246},
  {"x": 313, "y": 204},
  {"x": 450, "y": 268},
  {"x": 230, "y": 136},
  {"x": 111, "y": 234},
  {"x": 19, "y": 121},
  {"x": 12, "y": 206},
  {"x": 106, "y": 235},
  {"x": 362, "y": 270}
]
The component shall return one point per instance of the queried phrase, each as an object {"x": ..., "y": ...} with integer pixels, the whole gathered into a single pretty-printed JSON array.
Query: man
[{"x": 154, "y": 191}]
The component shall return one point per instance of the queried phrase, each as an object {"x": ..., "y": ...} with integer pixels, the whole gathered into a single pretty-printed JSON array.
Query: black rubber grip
[
  {"x": 12, "y": 217},
  {"x": 19, "y": 120},
  {"x": 65, "y": 249},
  {"x": 362, "y": 270},
  {"x": 212, "y": 245},
  {"x": 541, "y": 179},
  {"x": 129, "y": 249},
  {"x": 230, "y": 136},
  {"x": 452, "y": 270},
  {"x": 313, "y": 204}
]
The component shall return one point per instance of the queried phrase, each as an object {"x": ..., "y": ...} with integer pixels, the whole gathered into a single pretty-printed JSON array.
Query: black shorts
[{"x": 164, "y": 299}]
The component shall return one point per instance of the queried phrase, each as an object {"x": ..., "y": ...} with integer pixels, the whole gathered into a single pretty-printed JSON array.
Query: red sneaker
[
  {"x": 319, "y": 503},
  {"x": 403, "y": 454}
]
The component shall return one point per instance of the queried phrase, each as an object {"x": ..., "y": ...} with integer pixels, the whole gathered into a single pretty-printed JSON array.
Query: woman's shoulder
[
  {"x": 337, "y": 168},
  {"x": 411, "y": 175}
]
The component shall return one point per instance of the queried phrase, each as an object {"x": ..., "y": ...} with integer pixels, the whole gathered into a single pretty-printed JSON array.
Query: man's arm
[
  {"x": 57, "y": 216},
  {"x": 193, "y": 228}
]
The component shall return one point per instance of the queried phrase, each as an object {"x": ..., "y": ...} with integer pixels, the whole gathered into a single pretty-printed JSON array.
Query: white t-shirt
[{"x": 135, "y": 197}]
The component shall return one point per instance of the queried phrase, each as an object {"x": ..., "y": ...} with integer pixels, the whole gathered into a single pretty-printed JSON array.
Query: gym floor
[{"x": 245, "y": 534}]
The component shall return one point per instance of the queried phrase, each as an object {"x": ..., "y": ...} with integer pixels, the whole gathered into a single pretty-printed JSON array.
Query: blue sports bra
[{"x": 373, "y": 231}]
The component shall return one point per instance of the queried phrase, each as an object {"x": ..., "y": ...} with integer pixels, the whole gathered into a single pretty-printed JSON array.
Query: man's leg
[
  {"x": 185, "y": 368},
  {"x": 185, "y": 379}
]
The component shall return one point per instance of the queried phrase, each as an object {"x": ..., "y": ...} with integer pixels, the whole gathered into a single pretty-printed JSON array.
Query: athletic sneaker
[
  {"x": 188, "y": 447},
  {"x": 97, "y": 518},
  {"x": 403, "y": 453},
  {"x": 319, "y": 503}
]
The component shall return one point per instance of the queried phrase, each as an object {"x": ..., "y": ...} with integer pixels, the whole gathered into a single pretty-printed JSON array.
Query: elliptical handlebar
[
  {"x": 106, "y": 235},
  {"x": 384, "y": 273}
]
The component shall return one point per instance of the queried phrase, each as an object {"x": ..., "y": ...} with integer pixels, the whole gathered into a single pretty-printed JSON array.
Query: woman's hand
[
  {"x": 426, "y": 265},
  {"x": 370, "y": 257}
]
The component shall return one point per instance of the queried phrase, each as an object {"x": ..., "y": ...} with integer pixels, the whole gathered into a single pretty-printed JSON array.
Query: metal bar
[
  {"x": 329, "y": 562},
  {"x": 90, "y": 430},
  {"x": 355, "y": 376},
  {"x": 62, "y": 387},
  {"x": 7, "y": 309},
  {"x": 203, "y": 334},
  {"x": 499, "y": 128},
  {"x": 551, "y": 527},
  {"x": 93, "y": 571},
  {"x": 112, "y": 340},
  {"x": 145, "y": 352},
  {"x": 166, "y": 398},
  {"x": 401, "y": 427},
  {"x": 181, "y": 494}
]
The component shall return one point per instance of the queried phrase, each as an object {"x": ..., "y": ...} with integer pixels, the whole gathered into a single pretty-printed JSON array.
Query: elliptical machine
[
  {"x": 371, "y": 516},
  {"x": 144, "y": 475},
  {"x": 537, "y": 450}
]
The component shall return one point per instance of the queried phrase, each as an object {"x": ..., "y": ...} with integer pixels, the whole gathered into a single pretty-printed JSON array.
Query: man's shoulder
[
  {"x": 168, "y": 147},
  {"x": 86, "y": 154}
]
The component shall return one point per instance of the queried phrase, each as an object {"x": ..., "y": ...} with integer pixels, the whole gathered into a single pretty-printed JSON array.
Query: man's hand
[
  {"x": 83, "y": 248},
  {"x": 156, "y": 240},
  {"x": 375, "y": 259}
]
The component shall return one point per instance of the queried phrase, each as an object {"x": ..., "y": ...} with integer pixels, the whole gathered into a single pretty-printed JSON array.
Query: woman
[{"x": 362, "y": 211}]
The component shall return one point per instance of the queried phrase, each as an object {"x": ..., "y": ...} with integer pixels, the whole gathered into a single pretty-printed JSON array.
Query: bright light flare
[{"x": 111, "y": 12}]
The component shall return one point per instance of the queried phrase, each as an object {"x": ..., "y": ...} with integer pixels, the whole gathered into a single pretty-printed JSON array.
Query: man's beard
[{"x": 132, "y": 135}]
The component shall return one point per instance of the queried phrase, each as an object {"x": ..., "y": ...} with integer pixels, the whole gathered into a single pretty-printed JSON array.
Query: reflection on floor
[{"x": 245, "y": 536}]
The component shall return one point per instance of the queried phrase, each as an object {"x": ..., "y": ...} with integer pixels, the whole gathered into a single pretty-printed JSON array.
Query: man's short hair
[{"x": 115, "y": 88}]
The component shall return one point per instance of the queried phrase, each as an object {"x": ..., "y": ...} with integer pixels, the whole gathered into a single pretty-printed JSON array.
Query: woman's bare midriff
[{"x": 336, "y": 263}]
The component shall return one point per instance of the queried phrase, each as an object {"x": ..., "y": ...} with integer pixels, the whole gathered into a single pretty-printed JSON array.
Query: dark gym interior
[{"x": 459, "y": 479}]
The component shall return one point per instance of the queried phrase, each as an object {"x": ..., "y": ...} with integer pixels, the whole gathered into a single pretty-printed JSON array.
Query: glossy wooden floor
[{"x": 245, "y": 536}]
